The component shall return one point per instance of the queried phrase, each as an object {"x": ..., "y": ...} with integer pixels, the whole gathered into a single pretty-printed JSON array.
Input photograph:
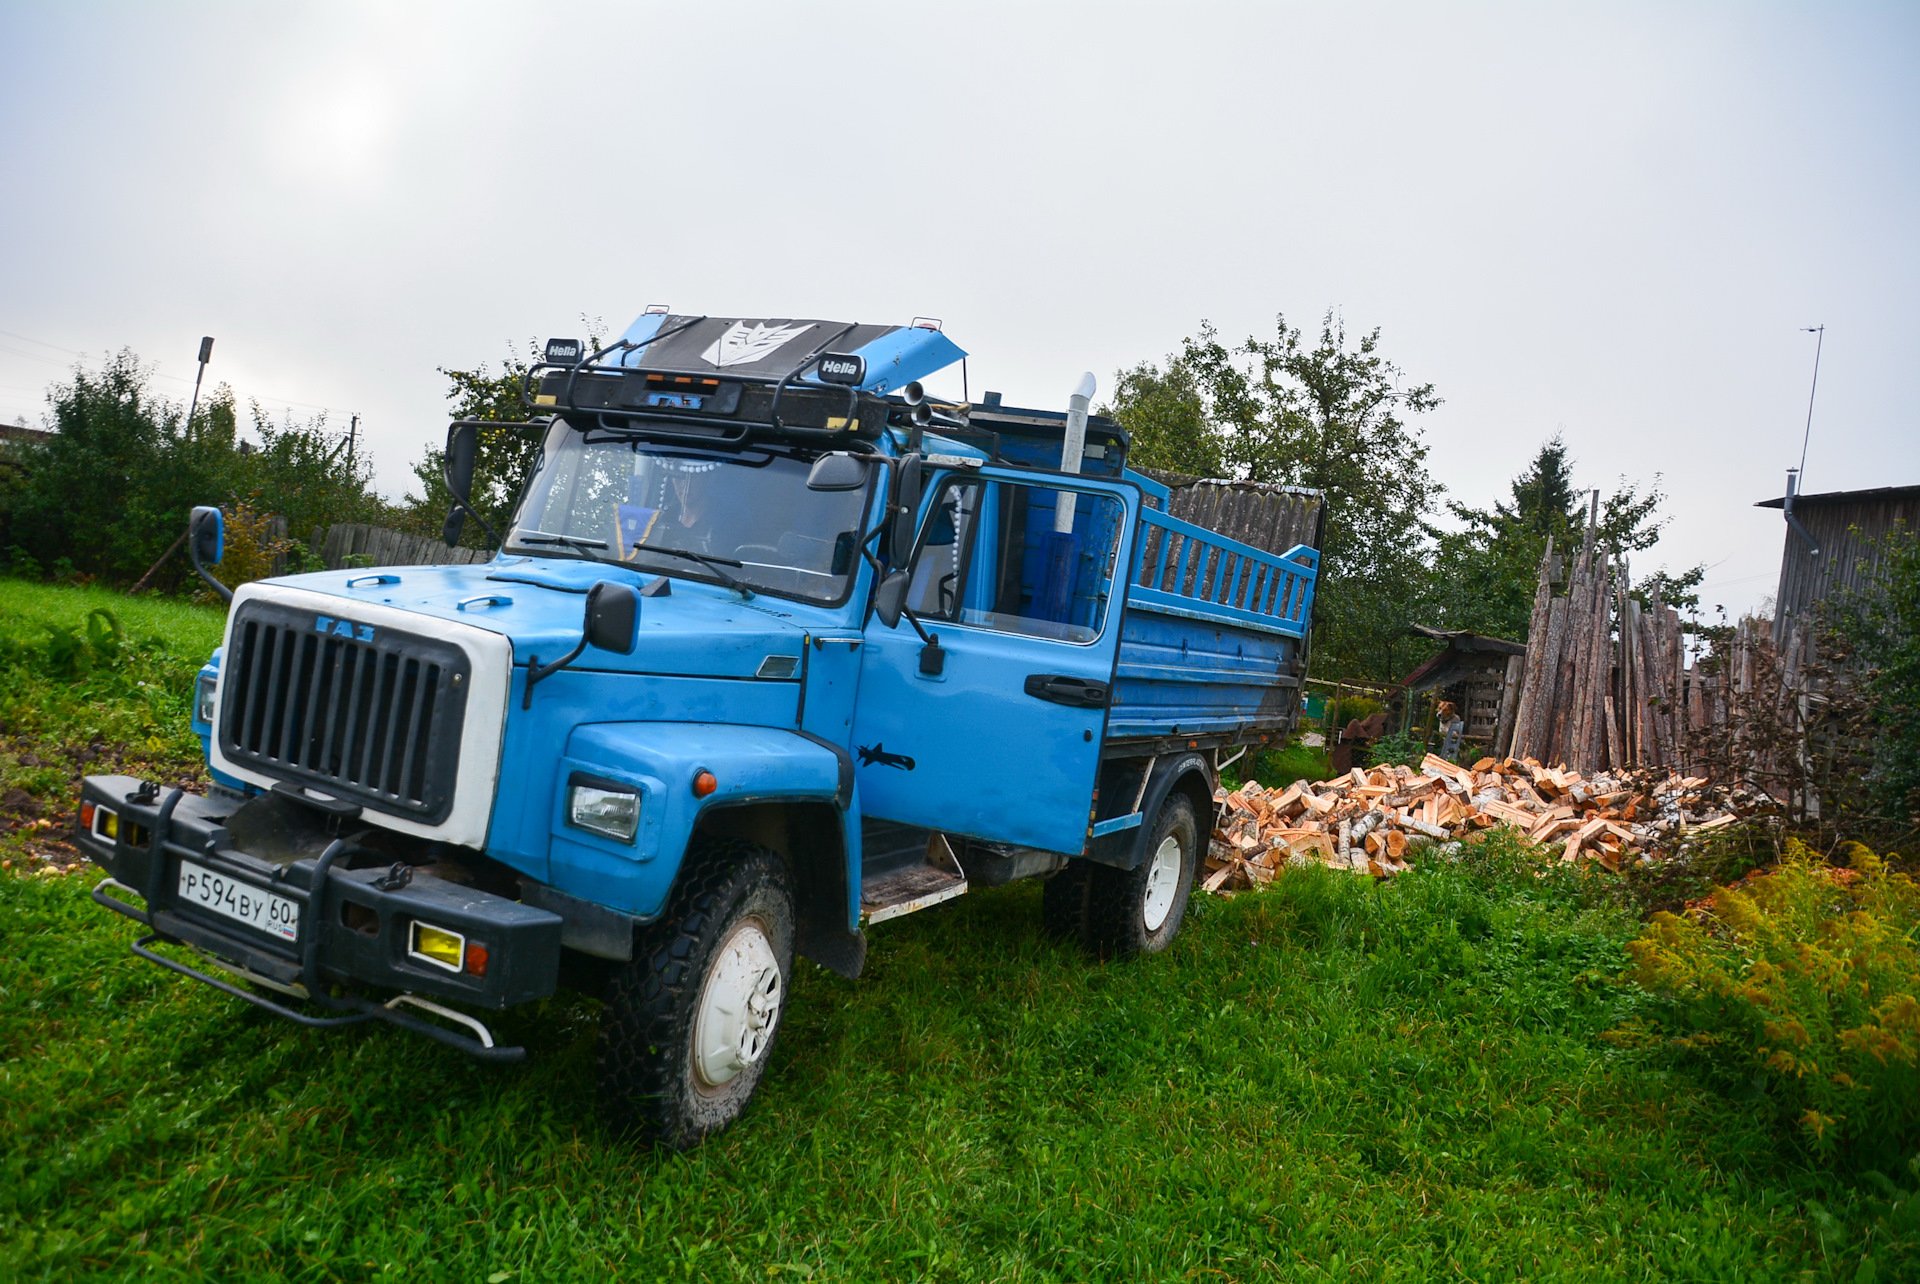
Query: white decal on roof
[{"x": 745, "y": 343}]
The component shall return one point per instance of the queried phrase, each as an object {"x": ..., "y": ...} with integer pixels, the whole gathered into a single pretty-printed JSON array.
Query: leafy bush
[
  {"x": 1397, "y": 749},
  {"x": 252, "y": 547},
  {"x": 1351, "y": 708},
  {"x": 108, "y": 494},
  {"x": 22, "y": 563},
  {"x": 1880, "y": 623},
  {"x": 1281, "y": 767},
  {"x": 66, "y": 653},
  {"x": 1804, "y": 981}
]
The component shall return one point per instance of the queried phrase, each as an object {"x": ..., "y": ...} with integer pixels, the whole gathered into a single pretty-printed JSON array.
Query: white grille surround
[{"x": 483, "y": 726}]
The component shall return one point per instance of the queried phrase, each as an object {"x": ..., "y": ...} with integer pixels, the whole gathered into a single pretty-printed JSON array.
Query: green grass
[
  {"x": 1331, "y": 1079},
  {"x": 182, "y": 628},
  {"x": 1280, "y": 767},
  {"x": 92, "y": 713}
]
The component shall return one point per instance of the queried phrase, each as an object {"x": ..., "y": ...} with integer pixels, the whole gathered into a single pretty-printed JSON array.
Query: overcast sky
[{"x": 1609, "y": 220}]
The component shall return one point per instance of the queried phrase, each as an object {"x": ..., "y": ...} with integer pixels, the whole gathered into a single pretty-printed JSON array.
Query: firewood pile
[{"x": 1377, "y": 821}]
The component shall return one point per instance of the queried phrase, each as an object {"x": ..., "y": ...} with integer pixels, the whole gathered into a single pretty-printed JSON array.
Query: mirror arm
[
  {"x": 195, "y": 525},
  {"x": 538, "y": 672},
  {"x": 906, "y": 612},
  {"x": 193, "y": 554},
  {"x": 466, "y": 505},
  {"x": 931, "y": 639}
]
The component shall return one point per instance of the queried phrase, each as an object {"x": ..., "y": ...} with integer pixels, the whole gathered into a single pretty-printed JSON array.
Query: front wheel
[
  {"x": 690, "y": 1022},
  {"x": 1139, "y": 911}
]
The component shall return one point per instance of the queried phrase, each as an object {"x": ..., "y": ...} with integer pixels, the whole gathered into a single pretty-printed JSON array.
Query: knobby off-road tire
[
  {"x": 1063, "y": 902},
  {"x": 689, "y": 1024},
  {"x": 1139, "y": 911}
]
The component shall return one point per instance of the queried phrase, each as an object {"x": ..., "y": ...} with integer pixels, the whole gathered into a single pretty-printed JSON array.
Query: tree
[
  {"x": 1486, "y": 569},
  {"x": 110, "y": 490},
  {"x": 1331, "y": 415},
  {"x": 1876, "y": 628},
  {"x": 1543, "y": 495},
  {"x": 302, "y": 472},
  {"x": 1166, "y": 414},
  {"x": 505, "y": 455}
]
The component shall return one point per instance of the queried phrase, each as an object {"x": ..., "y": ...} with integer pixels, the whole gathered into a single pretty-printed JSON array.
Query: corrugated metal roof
[{"x": 1844, "y": 496}]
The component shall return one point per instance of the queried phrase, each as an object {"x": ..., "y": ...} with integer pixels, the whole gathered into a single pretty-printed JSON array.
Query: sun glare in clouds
[{"x": 335, "y": 129}]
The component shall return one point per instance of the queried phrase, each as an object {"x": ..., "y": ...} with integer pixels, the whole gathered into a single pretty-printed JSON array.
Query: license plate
[{"x": 242, "y": 902}]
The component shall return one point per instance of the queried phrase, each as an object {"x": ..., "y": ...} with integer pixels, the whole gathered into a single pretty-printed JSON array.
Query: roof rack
[{"x": 610, "y": 375}]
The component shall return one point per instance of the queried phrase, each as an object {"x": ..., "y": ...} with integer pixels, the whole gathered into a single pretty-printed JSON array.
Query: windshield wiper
[
  {"x": 707, "y": 560},
  {"x": 568, "y": 541}
]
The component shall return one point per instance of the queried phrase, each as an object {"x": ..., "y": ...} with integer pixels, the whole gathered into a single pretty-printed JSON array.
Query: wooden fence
[
  {"x": 352, "y": 544},
  {"x": 1608, "y": 683}
]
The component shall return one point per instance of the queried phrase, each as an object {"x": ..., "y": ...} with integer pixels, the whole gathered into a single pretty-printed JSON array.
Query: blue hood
[{"x": 538, "y": 604}]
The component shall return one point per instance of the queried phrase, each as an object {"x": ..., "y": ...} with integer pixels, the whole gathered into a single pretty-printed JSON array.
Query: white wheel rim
[
  {"x": 1163, "y": 881},
  {"x": 739, "y": 1006}
]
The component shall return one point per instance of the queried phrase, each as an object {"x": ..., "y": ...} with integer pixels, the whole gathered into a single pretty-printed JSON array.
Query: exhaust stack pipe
[
  {"x": 1793, "y": 485},
  {"x": 1074, "y": 447}
]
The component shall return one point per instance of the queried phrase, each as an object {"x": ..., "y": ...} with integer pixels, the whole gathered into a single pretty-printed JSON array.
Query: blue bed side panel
[
  {"x": 1180, "y": 675},
  {"x": 1212, "y": 636}
]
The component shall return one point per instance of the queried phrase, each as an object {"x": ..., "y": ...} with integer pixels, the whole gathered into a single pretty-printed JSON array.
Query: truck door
[{"x": 1021, "y": 580}]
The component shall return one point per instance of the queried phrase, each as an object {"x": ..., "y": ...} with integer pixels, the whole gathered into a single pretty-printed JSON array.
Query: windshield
[{"x": 742, "y": 517}]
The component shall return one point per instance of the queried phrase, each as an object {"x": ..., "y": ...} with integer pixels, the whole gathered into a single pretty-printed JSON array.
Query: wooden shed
[
  {"x": 1848, "y": 528},
  {"x": 1479, "y": 674}
]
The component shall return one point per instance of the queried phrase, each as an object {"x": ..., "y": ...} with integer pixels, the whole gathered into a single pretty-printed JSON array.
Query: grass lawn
[{"x": 1330, "y": 1079}]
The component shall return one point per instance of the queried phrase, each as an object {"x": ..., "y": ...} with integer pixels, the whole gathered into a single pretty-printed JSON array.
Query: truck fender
[
  {"x": 1192, "y": 775},
  {"x": 782, "y": 789}
]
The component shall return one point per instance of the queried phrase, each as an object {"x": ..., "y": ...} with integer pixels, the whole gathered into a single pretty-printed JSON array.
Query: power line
[
  {"x": 41, "y": 343},
  {"x": 34, "y": 356}
]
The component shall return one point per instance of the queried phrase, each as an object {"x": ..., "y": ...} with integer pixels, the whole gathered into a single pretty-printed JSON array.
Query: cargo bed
[{"x": 1213, "y": 640}]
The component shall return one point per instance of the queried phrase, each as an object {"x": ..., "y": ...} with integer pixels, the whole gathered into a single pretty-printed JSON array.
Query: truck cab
[{"x": 775, "y": 648}]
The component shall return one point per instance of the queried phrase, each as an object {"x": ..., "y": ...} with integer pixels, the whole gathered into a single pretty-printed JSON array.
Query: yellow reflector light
[
  {"x": 107, "y": 823},
  {"x": 438, "y": 946}
]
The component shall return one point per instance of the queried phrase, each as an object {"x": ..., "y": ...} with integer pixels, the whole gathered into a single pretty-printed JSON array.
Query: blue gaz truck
[{"x": 775, "y": 647}]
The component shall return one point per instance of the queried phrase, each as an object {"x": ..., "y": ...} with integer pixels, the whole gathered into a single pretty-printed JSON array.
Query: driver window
[
  {"x": 991, "y": 556},
  {"x": 934, "y": 592}
]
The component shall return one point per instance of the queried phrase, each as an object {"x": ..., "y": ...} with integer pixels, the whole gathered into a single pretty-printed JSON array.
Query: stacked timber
[
  {"x": 1378, "y": 821},
  {"x": 1607, "y": 683}
]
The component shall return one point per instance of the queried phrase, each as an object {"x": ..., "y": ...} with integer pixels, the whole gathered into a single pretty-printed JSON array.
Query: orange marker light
[
  {"x": 704, "y": 783},
  {"x": 476, "y": 960},
  {"x": 86, "y": 816}
]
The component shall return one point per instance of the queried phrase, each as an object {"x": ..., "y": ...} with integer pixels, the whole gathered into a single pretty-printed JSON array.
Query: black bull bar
[{"x": 354, "y": 926}]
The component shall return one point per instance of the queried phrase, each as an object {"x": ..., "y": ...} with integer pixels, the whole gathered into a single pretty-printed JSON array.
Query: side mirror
[
  {"x": 907, "y": 511},
  {"x": 208, "y": 531},
  {"x": 841, "y": 470},
  {"x": 613, "y": 612},
  {"x": 891, "y": 597},
  {"x": 463, "y": 447}
]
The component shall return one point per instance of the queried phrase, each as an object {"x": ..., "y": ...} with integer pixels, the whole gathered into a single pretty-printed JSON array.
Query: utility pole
[
  {"x": 206, "y": 355},
  {"x": 353, "y": 430}
]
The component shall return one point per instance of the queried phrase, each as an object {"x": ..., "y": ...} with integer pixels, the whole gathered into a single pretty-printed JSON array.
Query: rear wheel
[
  {"x": 1063, "y": 902},
  {"x": 1139, "y": 911},
  {"x": 690, "y": 1022}
]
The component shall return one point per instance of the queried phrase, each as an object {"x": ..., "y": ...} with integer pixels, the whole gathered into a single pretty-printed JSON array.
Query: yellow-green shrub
[
  {"x": 1805, "y": 980},
  {"x": 252, "y": 547}
]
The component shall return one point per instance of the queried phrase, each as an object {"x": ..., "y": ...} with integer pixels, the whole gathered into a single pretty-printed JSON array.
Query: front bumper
[{"x": 355, "y": 927}]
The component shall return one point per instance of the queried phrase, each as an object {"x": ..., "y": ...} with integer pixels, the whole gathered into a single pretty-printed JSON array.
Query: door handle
[{"x": 1078, "y": 693}]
